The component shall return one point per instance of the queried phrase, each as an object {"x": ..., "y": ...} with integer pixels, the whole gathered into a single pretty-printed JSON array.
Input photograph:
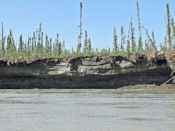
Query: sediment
[{"x": 91, "y": 72}]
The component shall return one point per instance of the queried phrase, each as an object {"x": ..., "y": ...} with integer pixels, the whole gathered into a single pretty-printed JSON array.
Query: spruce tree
[
  {"x": 165, "y": 43},
  {"x": 14, "y": 52},
  {"x": 34, "y": 39},
  {"x": 39, "y": 39},
  {"x": 56, "y": 48},
  {"x": 20, "y": 45},
  {"x": 146, "y": 46},
  {"x": 85, "y": 49},
  {"x": 173, "y": 32},
  {"x": 42, "y": 46},
  {"x": 128, "y": 48},
  {"x": 32, "y": 46},
  {"x": 2, "y": 42},
  {"x": 46, "y": 45},
  {"x": 115, "y": 41},
  {"x": 80, "y": 26},
  {"x": 63, "y": 46},
  {"x": 122, "y": 40},
  {"x": 79, "y": 48},
  {"x": 133, "y": 43},
  {"x": 50, "y": 47},
  {"x": 140, "y": 45},
  {"x": 89, "y": 46},
  {"x": 154, "y": 42},
  {"x": 28, "y": 46},
  {"x": 168, "y": 27},
  {"x": 173, "y": 27},
  {"x": 9, "y": 45},
  {"x": 59, "y": 48}
]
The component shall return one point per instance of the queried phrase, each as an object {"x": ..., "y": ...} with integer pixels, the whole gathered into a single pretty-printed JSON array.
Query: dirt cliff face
[{"x": 84, "y": 72}]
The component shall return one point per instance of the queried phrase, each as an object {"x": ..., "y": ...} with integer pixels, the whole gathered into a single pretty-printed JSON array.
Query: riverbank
[
  {"x": 100, "y": 72},
  {"x": 168, "y": 89}
]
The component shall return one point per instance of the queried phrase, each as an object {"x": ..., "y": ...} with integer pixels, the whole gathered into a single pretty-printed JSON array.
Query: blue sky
[{"x": 99, "y": 18}]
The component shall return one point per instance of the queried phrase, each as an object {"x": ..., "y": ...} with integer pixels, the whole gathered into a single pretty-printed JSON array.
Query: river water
[{"x": 86, "y": 110}]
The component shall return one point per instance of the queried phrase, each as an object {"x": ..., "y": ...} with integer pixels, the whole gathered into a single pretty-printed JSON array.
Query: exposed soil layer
[{"x": 102, "y": 72}]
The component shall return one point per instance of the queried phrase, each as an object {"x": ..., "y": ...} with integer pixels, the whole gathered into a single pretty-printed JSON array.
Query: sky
[{"x": 99, "y": 18}]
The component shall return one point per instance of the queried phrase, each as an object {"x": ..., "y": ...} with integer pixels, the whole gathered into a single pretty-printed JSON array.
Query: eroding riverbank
[{"x": 102, "y": 72}]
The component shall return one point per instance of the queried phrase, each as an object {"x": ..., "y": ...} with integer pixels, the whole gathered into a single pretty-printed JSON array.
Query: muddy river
[{"x": 86, "y": 110}]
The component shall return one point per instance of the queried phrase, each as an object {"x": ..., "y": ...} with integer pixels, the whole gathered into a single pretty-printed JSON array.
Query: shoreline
[{"x": 146, "y": 88}]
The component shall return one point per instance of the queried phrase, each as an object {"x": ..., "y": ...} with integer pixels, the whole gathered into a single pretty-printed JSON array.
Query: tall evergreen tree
[
  {"x": 140, "y": 44},
  {"x": 146, "y": 46},
  {"x": 28, "y": 46},
  {"x": 14, "y": 52},
  {"x": 42, "y": 46},
  {"x": 63, "y": 46},
  {"x": 115, "y": 43},
  {"x": 79, "y": 48},
  {"x": 173, "y": 32},
  {"x": 173, "y": 27},
  {"x": 11, "y": 47},
  {"x": 60, "y": 48},
  {"x": 50, "y": 47},
  {"x": 85, "y": 49},
  {"x": 165, "y": 43},
  {"x": 128, "y": 48},
  {"x": 133, "y": 43},
  {"x": 169, "y": 27},
  {"x": 89, "y": 46},
  {"x": 154, "y": 42},
  {"x": 56, "y": 48},
  {"x": 80, "y": 26},
  {"x": 2, "y": 42},
  {"x": 9, "y": 44},
  {"x": 39, "y": 39},
  {"x": 20, "y": 45},
  {"x": 122, "y": 40},
  {"x": 46, "y": 45}
]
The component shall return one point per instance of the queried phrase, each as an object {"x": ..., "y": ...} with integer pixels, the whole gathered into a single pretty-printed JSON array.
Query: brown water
[{"x": 84, "y": 110}]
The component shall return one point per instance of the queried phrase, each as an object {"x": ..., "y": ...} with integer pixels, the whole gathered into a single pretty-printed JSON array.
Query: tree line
[{"x": 40, "y": 45}]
